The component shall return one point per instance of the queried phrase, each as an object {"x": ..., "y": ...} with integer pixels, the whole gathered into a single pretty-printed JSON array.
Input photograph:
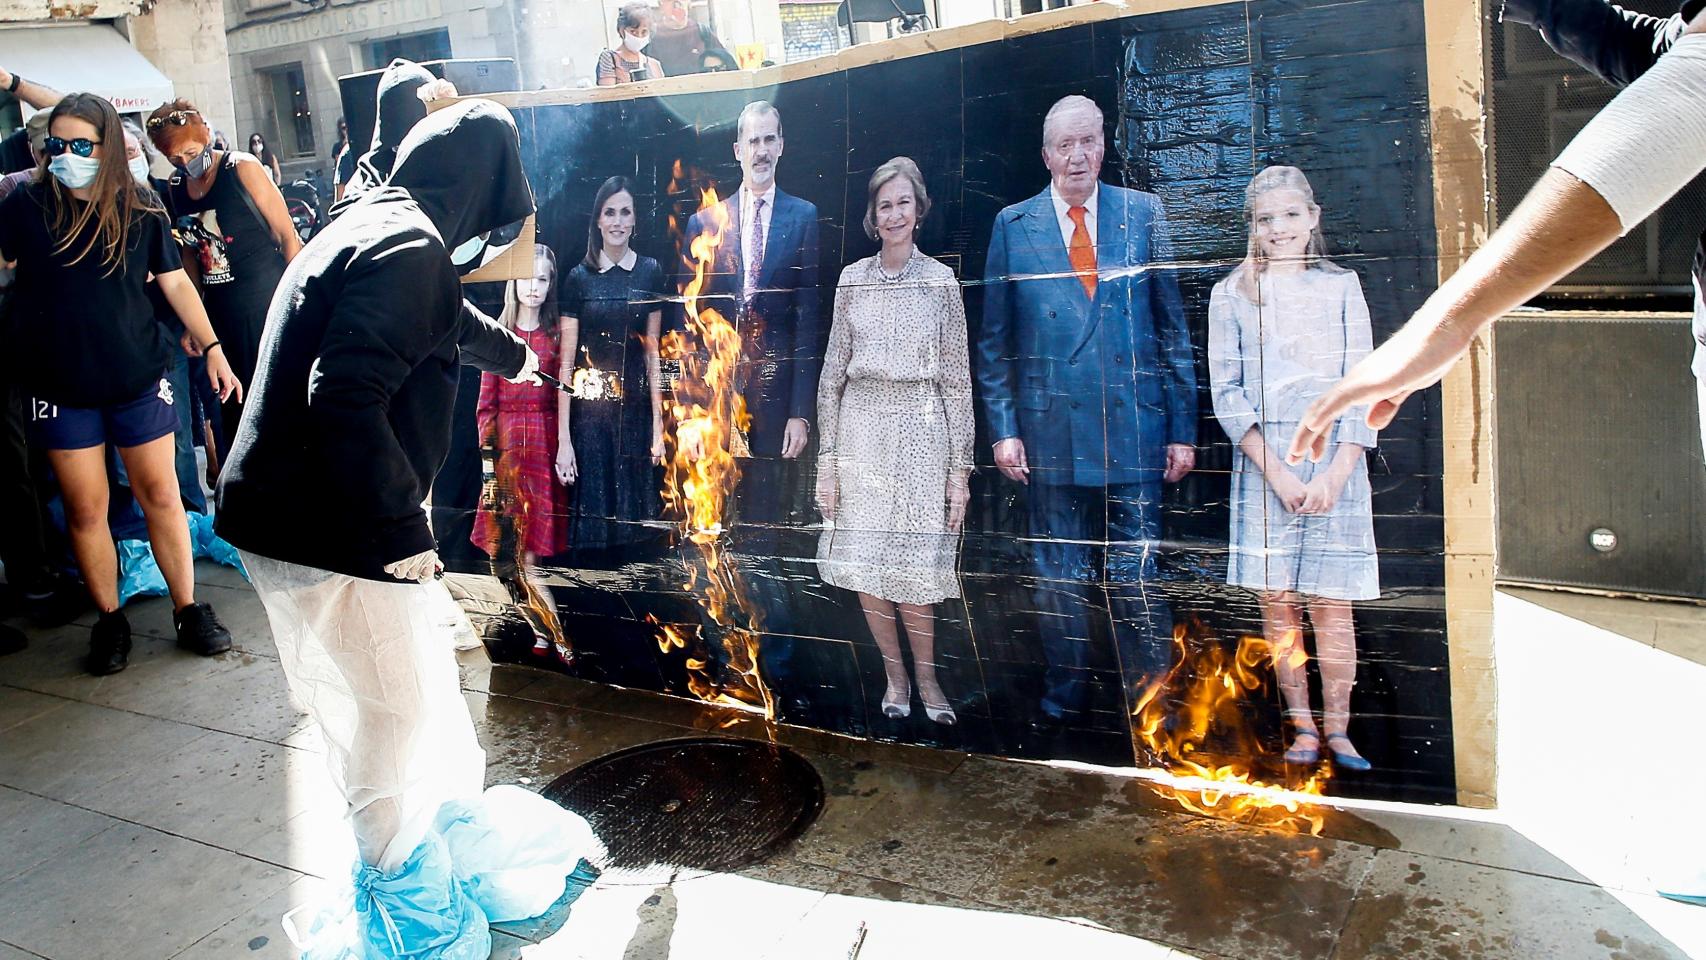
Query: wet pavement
[{"x": 178, "y": 809}]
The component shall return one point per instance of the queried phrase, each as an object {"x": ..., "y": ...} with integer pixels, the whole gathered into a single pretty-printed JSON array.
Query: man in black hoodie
[{"x": 349, "y": 419}]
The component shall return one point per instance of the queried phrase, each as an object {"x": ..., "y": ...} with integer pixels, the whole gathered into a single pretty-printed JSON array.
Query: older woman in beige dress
[{"x": 895, "y": 438}]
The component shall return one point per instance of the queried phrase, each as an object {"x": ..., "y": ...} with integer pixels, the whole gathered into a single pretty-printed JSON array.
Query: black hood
[
  {"x": 400, "y": 105},
  {"x": 462, "y": 164}
]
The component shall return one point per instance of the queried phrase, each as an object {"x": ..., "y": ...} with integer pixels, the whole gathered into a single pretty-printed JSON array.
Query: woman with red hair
[{"x": 245, "y": 233}]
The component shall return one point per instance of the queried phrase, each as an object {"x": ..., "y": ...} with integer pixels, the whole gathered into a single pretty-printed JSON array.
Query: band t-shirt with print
[{"x": 83, "y": 334}]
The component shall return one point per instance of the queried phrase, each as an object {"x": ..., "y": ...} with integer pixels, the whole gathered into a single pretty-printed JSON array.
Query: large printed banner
[{"x": 945, "y": 399}]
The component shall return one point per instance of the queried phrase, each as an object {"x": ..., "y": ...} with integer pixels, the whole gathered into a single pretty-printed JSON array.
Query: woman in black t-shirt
[
  {"x": 86, "y": 236},
  {"x": 241, "y": 216}
]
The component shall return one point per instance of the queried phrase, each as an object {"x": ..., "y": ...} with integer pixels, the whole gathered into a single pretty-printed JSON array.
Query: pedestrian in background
[
  {"x": 260, "y": 151},
  {"x": 626, "y": 62},
  {"x": 684, "y": 45}
]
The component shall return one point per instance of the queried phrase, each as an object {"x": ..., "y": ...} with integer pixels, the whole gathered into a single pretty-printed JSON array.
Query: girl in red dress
[{"x": 519, "y": 420}]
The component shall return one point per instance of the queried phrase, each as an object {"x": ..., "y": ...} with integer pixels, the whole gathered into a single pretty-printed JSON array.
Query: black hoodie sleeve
[
  {"x": 487, "y": 346},
  {"x": 1617, "y": 45},
  {"x": 371, "y": 346}
]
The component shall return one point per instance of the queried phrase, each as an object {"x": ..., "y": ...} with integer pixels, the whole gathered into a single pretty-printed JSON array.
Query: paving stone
[
  {"x": 317, "y": 842},
  {"x": 224, "y": 791},
  {"x": 157, "y": 894},
  {"x": 701, "y": 917},
  {"x": 908, "y": 931},
  {"x": 929, "y": 830},
  {"x": 258, "y": 932},
  {"x": 1421, "y": 908},
  {"x": 1449, "y": 837},
  {"x": 21, "y": 706},
  {"x": 34, "y": 830},
  {"x": 9, "y": 952},
  {"x": 83, "y": 746},
  {"x": 1153, "y": 875}
]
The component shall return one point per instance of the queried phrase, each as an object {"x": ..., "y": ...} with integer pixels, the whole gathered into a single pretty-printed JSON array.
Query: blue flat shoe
[
  {"x": 1304, "y": 756},
  {"x": 1349, "y": 761}
]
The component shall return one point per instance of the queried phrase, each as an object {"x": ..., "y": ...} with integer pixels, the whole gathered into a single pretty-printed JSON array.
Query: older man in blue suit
[{"x": 1090, "y": 394}]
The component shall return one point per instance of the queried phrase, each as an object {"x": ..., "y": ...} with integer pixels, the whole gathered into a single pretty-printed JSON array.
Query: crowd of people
[{"x": 169, "y": 278}]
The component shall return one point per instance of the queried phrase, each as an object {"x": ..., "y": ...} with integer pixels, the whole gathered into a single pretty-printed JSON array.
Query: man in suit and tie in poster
[
  {"x": 1089, "y": 390},
  {"x": 766, "y": 280}
]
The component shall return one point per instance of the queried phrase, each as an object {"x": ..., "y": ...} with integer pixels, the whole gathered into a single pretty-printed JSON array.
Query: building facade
[
  {"x": 286, "y": 56},
  {"x": 135, "y": 53}
]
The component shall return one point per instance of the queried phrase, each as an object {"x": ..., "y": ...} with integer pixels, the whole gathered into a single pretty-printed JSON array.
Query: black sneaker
[
  {"x": 109, "y": 644},
  {"x": 199, "y": 630}
]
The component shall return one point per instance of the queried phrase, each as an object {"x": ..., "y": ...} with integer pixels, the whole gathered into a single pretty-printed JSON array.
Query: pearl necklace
[{"x": 884, "y": 274}]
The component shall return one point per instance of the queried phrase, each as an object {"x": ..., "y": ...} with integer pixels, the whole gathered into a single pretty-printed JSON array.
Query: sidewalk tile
[
  {"x": 139, "y": 894},
  {"x": 34, "y": 830},
  {"x": 83, "y": 746},
  {"x": 1424, "y": 908}
]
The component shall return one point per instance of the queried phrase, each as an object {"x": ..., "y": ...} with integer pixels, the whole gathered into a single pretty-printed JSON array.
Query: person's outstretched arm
[
  {"x": 1641, "y": 149},
  {"x": 1615, "y": 44}
]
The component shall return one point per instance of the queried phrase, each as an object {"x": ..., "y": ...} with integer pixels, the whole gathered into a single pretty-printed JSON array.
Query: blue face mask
[
  {"x": 197, "y": 168},
  {"x": 470, "y": 249},
  {"x": 73, "y": 171},
  {"x": 139, "y": 169}
]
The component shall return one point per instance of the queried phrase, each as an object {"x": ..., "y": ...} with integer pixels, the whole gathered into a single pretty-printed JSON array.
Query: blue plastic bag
[
  {"x": 139, "y": 574},
  {"x": 514, "y": 850}
]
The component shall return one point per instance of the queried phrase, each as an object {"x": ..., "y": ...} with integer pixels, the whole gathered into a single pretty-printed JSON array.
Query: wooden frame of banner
[{"x": 1456, "y": 85}]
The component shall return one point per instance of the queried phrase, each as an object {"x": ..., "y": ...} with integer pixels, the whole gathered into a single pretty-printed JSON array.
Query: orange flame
[
  {"x": 708, "y": 420},
  {"x": 537, "y": 607},
  {"x": 1194, "y": 723}
]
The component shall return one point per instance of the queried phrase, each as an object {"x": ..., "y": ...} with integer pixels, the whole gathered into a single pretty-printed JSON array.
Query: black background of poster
[{"x": 1196, "y": 102}]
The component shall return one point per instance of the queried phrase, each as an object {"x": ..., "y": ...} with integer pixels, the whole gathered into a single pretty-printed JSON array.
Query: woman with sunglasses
[
  {"x": 247, "y": 233},
  {"x": 85, "y": 345}
]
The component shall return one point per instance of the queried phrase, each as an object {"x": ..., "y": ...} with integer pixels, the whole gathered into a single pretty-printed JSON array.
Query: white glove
[
  {"x": 420, "y": 568},
  {"x": 529, "y": 372}
]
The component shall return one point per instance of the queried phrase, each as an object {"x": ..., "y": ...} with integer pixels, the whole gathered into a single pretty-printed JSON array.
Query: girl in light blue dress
[{"x": 1283, "y": 327}]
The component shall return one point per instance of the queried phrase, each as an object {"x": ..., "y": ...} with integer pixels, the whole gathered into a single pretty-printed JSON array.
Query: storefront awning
[{"x": 90, "y": 57}]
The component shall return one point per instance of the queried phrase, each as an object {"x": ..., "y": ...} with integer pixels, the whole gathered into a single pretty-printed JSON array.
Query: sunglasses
[
  {"x": 177, "y": 117},
  {"x": 82, "y": 146}
]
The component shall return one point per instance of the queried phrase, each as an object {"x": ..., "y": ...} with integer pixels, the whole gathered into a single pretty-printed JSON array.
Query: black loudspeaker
[
  {"x": 360, "y": 91},
  {"x": 1600, "y": 479}
]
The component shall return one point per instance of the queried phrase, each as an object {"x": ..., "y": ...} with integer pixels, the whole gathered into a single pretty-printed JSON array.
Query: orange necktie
[{"x": 1081, "y": 252}]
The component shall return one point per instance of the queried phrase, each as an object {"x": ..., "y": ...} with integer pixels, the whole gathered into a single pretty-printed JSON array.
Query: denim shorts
[{"x": 149, "y": 417}]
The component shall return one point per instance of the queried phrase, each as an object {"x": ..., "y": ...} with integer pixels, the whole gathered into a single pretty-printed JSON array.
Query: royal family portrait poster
[{"x": 944, "y": 399}]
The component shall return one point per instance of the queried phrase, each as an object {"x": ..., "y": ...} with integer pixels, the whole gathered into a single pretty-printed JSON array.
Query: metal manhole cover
[{"x": 684, "y": 808}]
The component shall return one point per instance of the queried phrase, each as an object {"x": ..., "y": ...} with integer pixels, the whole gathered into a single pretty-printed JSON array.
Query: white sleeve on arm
[{"x": 1649, "y": 142}]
